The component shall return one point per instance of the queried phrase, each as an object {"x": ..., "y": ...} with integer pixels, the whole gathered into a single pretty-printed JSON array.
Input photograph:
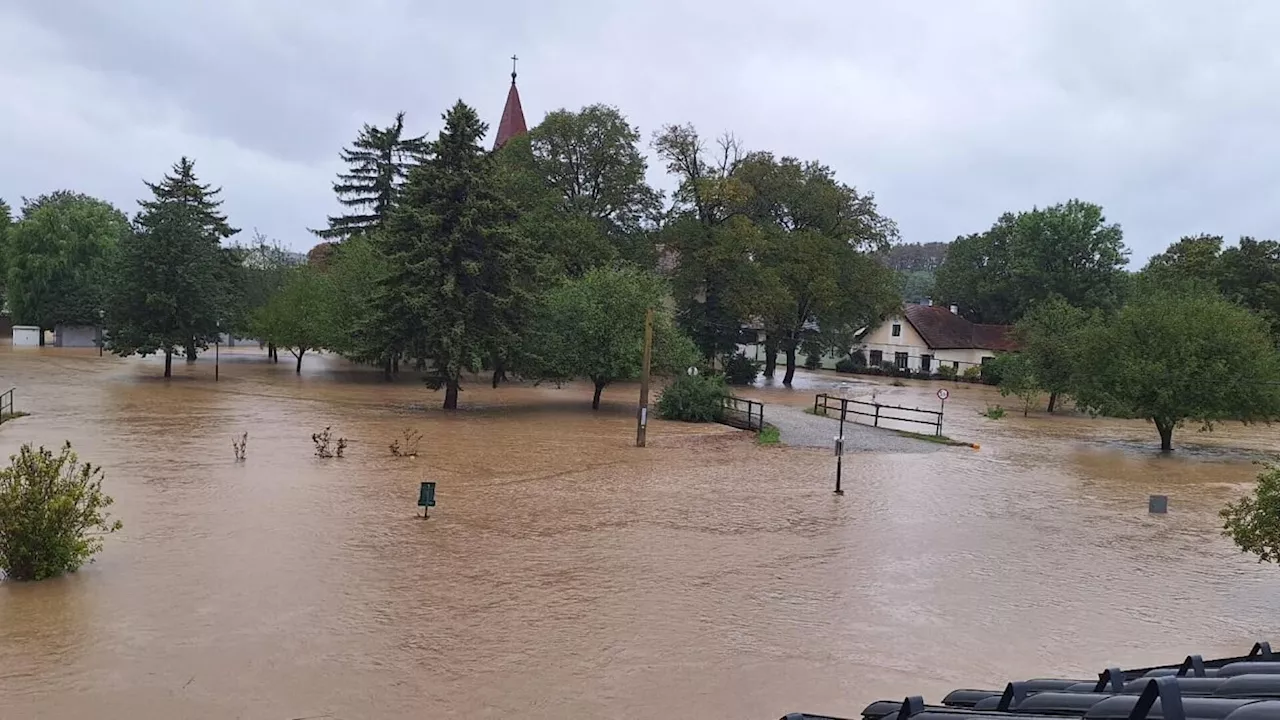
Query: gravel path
[{"x": 796, "y": 427}]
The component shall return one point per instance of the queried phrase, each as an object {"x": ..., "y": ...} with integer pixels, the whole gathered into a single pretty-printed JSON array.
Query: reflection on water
[{"x": 566, "y": 573}]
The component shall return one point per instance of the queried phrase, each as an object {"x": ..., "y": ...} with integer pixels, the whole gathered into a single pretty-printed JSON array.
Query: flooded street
[{"x": 565, "y": 573}]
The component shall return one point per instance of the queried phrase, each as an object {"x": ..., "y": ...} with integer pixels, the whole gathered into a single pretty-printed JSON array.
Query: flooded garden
[{"x": 566, "y": 573}]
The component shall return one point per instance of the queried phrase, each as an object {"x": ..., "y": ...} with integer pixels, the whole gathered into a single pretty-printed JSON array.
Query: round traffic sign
[{"x": 943, "y": 394}]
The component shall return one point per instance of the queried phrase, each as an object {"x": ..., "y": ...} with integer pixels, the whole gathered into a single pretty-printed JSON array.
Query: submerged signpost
[{"x": 427, "y": 498}]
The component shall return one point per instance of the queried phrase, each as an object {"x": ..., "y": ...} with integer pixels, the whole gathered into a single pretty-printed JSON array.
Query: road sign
[
  {"x": 427, "y": 495},
  {"x": 943, "y": 394}
]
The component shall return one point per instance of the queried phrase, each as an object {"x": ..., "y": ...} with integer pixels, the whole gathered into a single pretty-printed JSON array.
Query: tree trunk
[
  {"x": 595, "y": 399},
  {"x": 168, "y": 362},
  {"x": 499, "y": 371},
  {"x": 451, "y": 394},
  {"x": 271, "y": 352},
  {"x": 1165, "y": 429},
  {"x": 791, "y": 364},
  {"x": 1053, "y": 401},
  {"x": 191, "y": 350},
  {"x": 298, "y": 370},
  {"x": 770, "y": 355},
  {"x": 386, "y": 369},
  {"x": 395, "y": 364}
]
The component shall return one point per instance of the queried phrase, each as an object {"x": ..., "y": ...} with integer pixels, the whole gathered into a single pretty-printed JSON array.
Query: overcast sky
[{"x": 1165, "y": 112}]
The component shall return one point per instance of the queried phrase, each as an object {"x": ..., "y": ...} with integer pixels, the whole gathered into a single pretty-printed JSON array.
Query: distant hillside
[{"x": 916, "y": 264}]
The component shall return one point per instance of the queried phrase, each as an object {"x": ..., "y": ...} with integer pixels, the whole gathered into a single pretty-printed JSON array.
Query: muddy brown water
[{"x": 566, "y": 573}]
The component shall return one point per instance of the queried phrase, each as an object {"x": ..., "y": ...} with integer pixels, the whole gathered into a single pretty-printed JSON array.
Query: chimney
[
  {"x": 928, "y": 302},
  {"x": 955, "y": 309}
]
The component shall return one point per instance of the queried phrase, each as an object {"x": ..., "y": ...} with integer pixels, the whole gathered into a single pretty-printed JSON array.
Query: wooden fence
[
  {"x": 742, "y": 413},
  {"x": 853, "y": 410}
]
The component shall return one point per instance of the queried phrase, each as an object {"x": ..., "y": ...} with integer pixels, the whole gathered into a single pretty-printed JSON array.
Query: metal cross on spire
[{"x": 513, "y": 68}]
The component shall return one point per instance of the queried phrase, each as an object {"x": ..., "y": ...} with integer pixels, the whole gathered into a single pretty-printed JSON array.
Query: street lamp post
[
  {"x": 101, "y": 331},
  {"x": 217, "y": 351}
]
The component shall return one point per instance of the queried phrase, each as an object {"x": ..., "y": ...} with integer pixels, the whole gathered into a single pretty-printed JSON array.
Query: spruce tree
[
  {"x": 458, "y": 287},
  {"x": 378, "y": 163},
  {"x": 158, "y": 295},
  {"x": 182, "y": 188}
]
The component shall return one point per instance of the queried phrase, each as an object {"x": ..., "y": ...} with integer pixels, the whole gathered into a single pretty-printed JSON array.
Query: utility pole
[{"x": 642, "y": 416}]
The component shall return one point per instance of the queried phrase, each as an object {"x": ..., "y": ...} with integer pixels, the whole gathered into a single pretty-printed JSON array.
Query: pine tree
[
  {"x": 459, "y": 284},
  {"x": 379, "y": 162},
  {"x": 182, "y": 188},
  {"x": 158, "y": 296}
]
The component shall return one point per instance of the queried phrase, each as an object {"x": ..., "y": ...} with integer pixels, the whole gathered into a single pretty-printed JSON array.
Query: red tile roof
[
  {"x": 512, "y": 123},
  {"x": 944, "y": 330}
]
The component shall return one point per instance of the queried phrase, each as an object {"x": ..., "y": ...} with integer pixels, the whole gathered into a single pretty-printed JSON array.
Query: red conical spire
[{"x": 512, "y": 123}]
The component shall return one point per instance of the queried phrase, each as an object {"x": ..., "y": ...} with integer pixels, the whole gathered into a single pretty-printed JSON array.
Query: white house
[{"x": 927, "y": 337}]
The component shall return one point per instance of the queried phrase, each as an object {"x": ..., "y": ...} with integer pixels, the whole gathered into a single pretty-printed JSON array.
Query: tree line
[
  {"x": 1192, "y": 337},
  {"x": 539, "y": 259}
]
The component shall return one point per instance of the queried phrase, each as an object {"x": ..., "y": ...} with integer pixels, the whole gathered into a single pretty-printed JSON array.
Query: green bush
[
  {"x": 947, "y": 372},
  {"x": 693, "y": 398},
  {"x": 973, "y": 373},
  {"x": 847, "y": 365},
  {"x": 741, "y": 370},
  {"x": 52, "y": 513},
  {"x": 1253, "y": 522},
  {"x": 812, "y": 362}
]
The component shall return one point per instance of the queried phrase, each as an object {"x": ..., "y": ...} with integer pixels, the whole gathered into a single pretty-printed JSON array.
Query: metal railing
[
  {"x": 6, "y": 404},
  {"x": 742, "y": 413},
  {"x": 854, "y": 409}
]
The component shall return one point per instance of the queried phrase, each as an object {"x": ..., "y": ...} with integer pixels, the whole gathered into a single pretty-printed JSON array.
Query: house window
[
  {"x": 897, "y": 329},
  {"x": 986, "y": 360},
  {"x": 900, "y": 359},
  {"x": 875, "y": 358},
  {"x": 926, "y": 363}
]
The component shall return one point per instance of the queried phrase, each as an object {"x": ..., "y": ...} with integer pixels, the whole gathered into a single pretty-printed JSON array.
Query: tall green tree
[
  {"x": 707, "y": 240},
  {"x": 355, "y": 271},
  {"x": 378, "y": 162},
  {"x": 1250, "y": 275},
  {"x": 1179, "y": 352},
  {"x": 1069, "y": 250},
  {"x": 56, "y": 257},
  {"x": 1194, "y": 257},
  {"x": 817, "y": 266},
  {"x": 158, "y": 297},
  {"x": 1049, "y": 337},
  {"x": 593, "y": 327},
  {"x": 458, "y": 290},
  {"x": 259, "y": 269},
  {"x": 182, "y": 188},
  {"x": 299, "y": 316},
  {"x": 6, "y": 221}
]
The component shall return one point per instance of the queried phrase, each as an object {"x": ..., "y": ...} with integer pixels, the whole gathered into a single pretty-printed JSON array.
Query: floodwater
[{"x": 566, "y": 573}]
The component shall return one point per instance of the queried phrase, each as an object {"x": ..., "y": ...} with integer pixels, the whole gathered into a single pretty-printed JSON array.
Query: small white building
[
  {"x": 76, "y": 336},
  {"x": 26, "y": 336},
  {"x": 926, "y": 338}
]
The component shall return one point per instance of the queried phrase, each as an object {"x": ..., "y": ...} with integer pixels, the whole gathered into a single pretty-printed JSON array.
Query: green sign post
[{"x": 427, "y": 498}]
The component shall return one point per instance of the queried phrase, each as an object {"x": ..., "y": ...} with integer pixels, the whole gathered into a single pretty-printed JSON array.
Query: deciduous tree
[
  {"x": 1179, "y": 352},
  {"x": 817, "y": 264},
  {"x": 1067, "y": 250},
  {"x": 299, "y": 317},
  {"x": 1049, "y": 340},
  {"x": 56, "y": 257},
  {"x": 593, "y": 327}
]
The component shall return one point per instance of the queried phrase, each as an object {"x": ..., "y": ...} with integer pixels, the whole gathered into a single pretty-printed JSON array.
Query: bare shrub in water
[
  {"x": 324, "y": 440},
  {"x": 52, "y": 513},
  {"x": 407, "y": 444},
  {"x": 238, "y": 444}
]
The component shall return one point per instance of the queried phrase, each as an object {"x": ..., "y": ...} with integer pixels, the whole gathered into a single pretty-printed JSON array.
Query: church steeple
[{"x": 512, "y": 124}]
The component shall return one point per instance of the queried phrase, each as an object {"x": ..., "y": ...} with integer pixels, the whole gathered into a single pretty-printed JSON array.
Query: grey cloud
[{"x": 950, "y": 112}]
